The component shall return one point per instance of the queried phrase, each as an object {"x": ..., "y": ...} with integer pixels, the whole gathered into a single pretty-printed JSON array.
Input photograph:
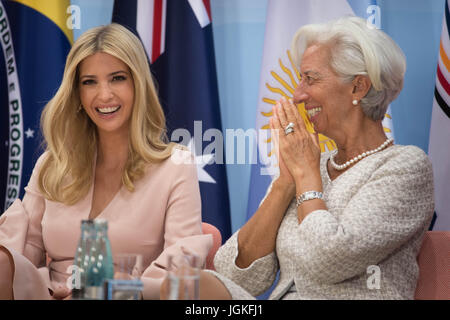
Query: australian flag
[
  {"x": 34, "y": 42},
  {"x": 178, "y": 39}
]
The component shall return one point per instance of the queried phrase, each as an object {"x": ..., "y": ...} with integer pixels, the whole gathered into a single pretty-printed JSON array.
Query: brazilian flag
[{"x": 35, "y": 38}]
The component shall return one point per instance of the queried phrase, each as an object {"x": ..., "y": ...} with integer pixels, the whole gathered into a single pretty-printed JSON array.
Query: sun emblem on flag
[{"x": 286, "y": 85}]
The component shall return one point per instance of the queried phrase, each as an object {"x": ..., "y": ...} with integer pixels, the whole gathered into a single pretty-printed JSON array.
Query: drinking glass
[
  {"x": 183, "y": 277},
  {"x": 126, "y": 285}
]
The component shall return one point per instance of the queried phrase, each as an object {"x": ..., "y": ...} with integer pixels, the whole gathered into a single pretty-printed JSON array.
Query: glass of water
[
  {"x": 183, "y": 277},
  {"x": 126, "y": 285}
]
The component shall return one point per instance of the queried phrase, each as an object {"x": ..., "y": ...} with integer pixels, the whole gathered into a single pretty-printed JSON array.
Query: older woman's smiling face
[{"x": 327, "y": 99}]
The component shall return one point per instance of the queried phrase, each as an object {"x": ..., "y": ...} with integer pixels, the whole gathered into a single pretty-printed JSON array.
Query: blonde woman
[{"x": 107, "y": 156}]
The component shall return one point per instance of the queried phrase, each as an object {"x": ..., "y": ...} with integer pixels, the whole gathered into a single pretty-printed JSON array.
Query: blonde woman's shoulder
[
  {"x": 180, "y": 147},
  {"x": 179, "y": 165},
  {"x": 180, "y": 155}
]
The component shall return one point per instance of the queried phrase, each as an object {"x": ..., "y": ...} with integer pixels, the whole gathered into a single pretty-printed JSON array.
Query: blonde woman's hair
[
  {"x": 66, "y": 173},
  {"x": 358, "y": 49}
]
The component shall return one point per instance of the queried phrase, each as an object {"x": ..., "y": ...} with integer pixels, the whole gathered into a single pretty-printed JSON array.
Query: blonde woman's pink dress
[{"x": 161, "y": 217}]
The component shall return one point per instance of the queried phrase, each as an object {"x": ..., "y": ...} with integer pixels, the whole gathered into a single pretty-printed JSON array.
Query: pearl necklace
[{"x": 358, "y": 157}]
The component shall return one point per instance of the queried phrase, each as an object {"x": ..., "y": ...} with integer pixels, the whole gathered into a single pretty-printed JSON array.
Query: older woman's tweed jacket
[{"x": 363, "y": 247}]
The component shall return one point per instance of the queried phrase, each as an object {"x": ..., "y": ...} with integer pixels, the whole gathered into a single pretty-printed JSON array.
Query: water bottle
[
  {"x": 81, "y": 259},
  {"x": 100, "y": 266}
]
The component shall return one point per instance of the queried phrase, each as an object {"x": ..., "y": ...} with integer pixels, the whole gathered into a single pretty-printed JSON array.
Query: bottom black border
[{"x": 233, "y": 310}]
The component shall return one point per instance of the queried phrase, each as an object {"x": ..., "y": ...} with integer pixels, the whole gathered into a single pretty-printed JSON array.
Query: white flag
[
  {"x": 438, "y": 148},
  {"x": 279, "y": 76}
]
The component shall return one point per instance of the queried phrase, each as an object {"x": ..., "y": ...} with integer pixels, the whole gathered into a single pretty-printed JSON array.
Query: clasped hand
[{"x": 298, "y": 152}]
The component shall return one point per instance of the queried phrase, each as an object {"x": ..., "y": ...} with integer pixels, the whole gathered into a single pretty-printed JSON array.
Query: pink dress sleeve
[
  {"x": 183, "y": 225},
  {"x": 20, "y": 224},
  {"x": 21, "y": 235}
]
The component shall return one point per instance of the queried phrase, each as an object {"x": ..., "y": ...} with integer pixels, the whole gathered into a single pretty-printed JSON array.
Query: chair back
[
  {"x": 434, "y": 267},
  {"x": 217, "y": 242}
]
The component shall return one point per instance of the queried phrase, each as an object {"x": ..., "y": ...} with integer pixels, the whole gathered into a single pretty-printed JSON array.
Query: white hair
[{"x": 358, "y": 49}]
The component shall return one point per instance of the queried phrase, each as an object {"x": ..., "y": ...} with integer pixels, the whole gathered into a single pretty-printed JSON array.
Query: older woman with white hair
[{"x": 346, "y": 224}]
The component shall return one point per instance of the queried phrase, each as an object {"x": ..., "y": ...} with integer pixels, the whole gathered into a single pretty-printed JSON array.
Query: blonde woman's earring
[{"x": 355, "y": 102}]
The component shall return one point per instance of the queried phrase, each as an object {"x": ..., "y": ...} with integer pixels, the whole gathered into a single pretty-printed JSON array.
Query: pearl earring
[{"x": 355, "y": 102}]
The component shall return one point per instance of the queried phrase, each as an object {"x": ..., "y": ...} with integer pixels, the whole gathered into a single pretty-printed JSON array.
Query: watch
[{"x": 309, "y": 195}]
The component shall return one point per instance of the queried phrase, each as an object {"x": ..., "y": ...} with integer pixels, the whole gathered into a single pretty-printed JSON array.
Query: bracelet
[{"x": 309, "y": 195}]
